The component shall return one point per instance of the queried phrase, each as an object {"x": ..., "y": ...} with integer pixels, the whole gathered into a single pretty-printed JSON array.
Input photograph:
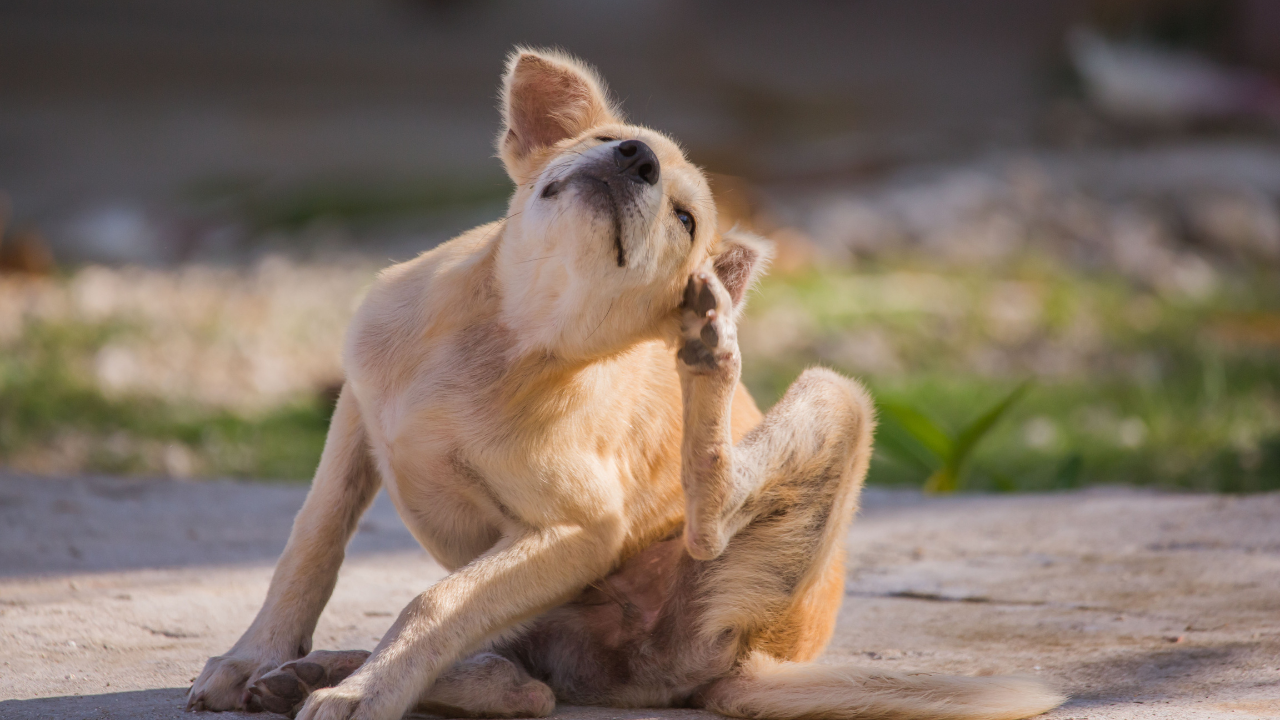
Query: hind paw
[{"x": 286, "y": 688}]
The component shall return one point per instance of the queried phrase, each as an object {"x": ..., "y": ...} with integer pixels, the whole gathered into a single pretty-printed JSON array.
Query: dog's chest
[
  {"x": 472, "y": 447},
  {"x": 463, "y": 469}
]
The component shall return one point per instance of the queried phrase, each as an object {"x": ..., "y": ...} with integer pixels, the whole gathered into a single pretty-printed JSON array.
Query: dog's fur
[{"x": 553, "y": 403}]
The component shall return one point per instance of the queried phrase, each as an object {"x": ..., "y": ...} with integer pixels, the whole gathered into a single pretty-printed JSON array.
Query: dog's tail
[{"x": 769, "y": 689}]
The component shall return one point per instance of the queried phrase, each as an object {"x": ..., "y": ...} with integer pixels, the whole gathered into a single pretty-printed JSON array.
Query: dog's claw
[{"x": 251, "y": 700}]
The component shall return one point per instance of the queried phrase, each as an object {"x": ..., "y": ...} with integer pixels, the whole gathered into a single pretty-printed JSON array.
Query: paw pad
[
  {"x": 286, "y": 688},
  {"x": 706, "y": 322}
]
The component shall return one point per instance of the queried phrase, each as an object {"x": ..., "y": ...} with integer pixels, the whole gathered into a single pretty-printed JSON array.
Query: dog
[{"x": 553, "y": 404}]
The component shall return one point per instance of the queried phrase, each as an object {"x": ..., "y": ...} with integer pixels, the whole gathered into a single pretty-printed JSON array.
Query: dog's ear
[
  {"x": 739, "y": 260},
  {"x": 547, "y": 96}
]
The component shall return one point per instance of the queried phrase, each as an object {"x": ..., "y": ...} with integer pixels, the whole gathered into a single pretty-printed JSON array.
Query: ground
[{"x": 1140, "y": 605}]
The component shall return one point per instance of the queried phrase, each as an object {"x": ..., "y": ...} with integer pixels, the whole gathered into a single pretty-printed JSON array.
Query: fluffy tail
[{"x": 769, "y": 689}]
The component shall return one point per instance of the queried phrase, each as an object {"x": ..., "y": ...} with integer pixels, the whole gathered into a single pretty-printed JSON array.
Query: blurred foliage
[
  {"x": 52, "y": 414},
  {"x": 905, "y": 431},
  {"x": 1132, "y": 386}
]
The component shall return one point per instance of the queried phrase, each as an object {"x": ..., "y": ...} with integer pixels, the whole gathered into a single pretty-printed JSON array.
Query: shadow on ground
[
  {"x": 52, "y": 526},
  {"x": 167, "y": 704},
  {"x": 162, "y": 703},
  {"x": 1159, "y": 675}
]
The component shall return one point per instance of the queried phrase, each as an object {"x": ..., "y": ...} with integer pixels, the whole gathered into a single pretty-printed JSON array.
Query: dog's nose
[{"x": 637, "y": 161}]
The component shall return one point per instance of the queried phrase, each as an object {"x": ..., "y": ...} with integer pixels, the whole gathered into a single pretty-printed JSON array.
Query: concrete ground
[{"x": 1141, "y": 605}]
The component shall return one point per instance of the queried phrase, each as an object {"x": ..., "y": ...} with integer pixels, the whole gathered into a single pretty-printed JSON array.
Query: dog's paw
[
  {"x": 488, "y": 686},
  {"x": 531, "y": 699},
  {"x": 284, "y": 689},
  {"x": 709, "y": 337},
  {"x": 348, "y": 701},
  {"x": 221, "y": 685}
]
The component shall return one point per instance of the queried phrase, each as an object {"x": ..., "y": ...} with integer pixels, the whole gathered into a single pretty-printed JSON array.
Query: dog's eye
[
  {"x": 687, "y": 221},
  {"x": 605, "y": 138}
]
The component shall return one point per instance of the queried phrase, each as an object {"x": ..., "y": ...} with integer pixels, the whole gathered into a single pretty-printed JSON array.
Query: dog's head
[{"x": 607, "y": 221}]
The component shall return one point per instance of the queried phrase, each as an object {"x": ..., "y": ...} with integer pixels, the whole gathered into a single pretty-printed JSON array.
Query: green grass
[
  {"x": 911, "y": 437},
  {"x": 1190, "y": 440},
  {"x": 1160, "y": 391},
  {"x": 1129, "y": 386},
  {"x": 45, "y": 399}
]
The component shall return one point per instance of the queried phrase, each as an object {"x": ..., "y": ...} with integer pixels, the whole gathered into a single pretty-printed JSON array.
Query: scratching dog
[{"x": 553, "y": 403}]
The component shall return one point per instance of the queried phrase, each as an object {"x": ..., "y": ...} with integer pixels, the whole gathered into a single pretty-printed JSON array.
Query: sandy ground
[{"x": 113, "y": 593}]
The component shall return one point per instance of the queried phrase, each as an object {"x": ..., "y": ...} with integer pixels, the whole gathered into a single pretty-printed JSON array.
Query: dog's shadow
[
  {"x": 105, "y": 524},
  {"x": 168, "y": 704},
  {"x": 159, "y": 704},
  {"x": 1151, "y": 676}
]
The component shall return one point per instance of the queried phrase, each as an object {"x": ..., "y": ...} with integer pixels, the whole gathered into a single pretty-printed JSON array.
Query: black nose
[{"x": 637, "y": 161}]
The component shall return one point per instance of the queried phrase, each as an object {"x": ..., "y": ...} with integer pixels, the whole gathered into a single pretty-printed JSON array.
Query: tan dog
[{"x": 549, "y": 400}]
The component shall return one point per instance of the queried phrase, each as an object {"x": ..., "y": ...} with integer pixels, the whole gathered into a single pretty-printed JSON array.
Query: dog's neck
[{"x": 556, "y": 314}]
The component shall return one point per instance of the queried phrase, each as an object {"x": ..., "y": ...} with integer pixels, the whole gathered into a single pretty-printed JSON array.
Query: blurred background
[{"x": 1046, "y": 234}]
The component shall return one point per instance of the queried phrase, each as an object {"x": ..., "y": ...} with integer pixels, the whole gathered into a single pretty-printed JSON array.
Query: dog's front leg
[
  {"x": 710, "y": 366},
  {"x": 822, "y": 426},
  {"x": 344, "y": 486},
  {"x": 524, "y": 574}
]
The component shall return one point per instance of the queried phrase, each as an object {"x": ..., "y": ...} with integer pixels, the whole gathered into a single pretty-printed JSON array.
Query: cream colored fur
[
  {"x": 769, "y": 688},
  {"x": 517, "y": 392}
]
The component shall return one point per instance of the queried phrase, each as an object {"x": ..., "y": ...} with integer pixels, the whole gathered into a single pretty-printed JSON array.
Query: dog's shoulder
[{"x": 424, "y": 299}]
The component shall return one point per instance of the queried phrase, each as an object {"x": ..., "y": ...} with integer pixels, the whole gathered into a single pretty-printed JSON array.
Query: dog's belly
[{"x": 633, "y": 638}]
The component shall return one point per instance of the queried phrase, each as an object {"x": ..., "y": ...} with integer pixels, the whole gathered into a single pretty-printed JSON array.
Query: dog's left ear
[
  {"x": 739, "y": 260},
  {"x": 547, "y": 96}
]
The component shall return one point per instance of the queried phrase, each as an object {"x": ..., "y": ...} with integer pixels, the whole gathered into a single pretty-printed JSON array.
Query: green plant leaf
[
  {"x": 942, "y": 481},
  {"x": 947, "y": 478},
  {"x": 1004, "y": 483},
  {"x": 971, "y": 435},
  {"x": 893, "y": 441},
  {"x": 1069, "y": 472},
  {"x": 921, "y": 428}
]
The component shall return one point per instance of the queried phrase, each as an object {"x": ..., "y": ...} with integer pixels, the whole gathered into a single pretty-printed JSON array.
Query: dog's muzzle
[{"x": 615, "y": 183}]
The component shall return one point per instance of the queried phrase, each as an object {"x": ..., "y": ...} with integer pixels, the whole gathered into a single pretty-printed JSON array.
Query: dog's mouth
[{"x": 613, "y": 198}]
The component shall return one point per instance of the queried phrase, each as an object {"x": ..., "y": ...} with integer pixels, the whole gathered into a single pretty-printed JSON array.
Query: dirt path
[{"x": 113, "y": 593}]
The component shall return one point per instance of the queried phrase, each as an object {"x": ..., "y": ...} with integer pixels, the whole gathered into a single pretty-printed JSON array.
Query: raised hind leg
[
  {"x": 780, "y": 500},
  {"x": 759, "y": 565},
  {"x": 770, "y": 514}
]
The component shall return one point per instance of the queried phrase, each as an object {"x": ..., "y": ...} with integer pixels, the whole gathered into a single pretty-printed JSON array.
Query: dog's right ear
[
  {"x": 547, "y": 96},
  {"x": 739, "y": 259}
]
